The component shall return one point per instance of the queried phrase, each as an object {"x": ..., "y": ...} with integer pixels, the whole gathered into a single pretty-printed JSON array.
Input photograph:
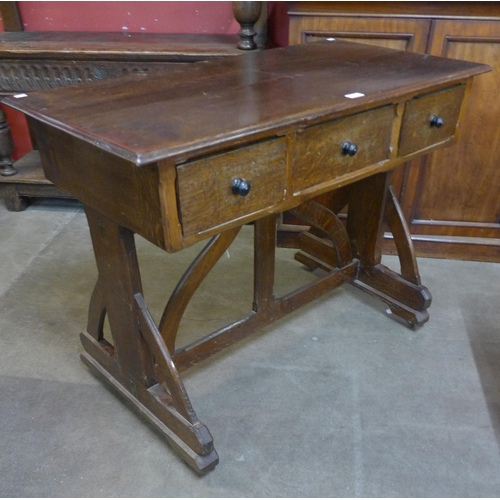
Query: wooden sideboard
[{"x": 450, "y": 198}]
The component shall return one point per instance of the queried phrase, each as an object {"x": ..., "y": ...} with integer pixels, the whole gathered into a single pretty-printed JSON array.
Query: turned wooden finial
[{"x": 247, "y": 14}]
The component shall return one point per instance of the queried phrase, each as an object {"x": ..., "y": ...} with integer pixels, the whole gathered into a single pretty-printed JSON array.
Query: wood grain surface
[{"x": 201, "y": 107}]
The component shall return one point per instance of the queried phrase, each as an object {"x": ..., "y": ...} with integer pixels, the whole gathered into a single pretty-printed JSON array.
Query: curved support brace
[
  {"x": 402, "y": 239},
  {"x": 189, "y": 283},
  {"x": 330, "y": 227},
  {"x": 162, "y": 357},
  {"x": 97, "y": 313}
]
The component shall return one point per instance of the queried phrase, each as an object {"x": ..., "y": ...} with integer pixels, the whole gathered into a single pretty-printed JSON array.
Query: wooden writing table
[{"x": 218, "y": 144}]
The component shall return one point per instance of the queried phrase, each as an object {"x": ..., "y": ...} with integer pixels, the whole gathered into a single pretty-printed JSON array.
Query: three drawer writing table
[{"x": 211, "y": 146}]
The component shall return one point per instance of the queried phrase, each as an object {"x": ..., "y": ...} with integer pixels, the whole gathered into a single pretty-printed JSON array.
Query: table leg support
[
  {"x": 140, "y": 362},
  {"x": 137, "y": 364},
  {"x": 371, "y": 202},
  {"x": 189, "y": 283},
  {"x": 328, "y": 244}
]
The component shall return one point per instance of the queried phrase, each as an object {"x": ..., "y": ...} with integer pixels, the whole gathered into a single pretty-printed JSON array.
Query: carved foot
[
  {"x": 13, "y": 201},
  {"x": 148, "y": 403},
  {"x": 405, "y": 299}
]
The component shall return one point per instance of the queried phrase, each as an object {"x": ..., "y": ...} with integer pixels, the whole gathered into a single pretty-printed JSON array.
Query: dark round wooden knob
[
  {"x": 436, "y": 121},
  {"x": 348, "y": 148},
  {"x": 241, "y": 187}
]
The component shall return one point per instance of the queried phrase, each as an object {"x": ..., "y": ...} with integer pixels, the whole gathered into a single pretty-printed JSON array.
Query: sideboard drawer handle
[
  {"x": 241, "y": 187},
  {"x": 348, "y": 148},
  {"x": 436, "y": 121}
]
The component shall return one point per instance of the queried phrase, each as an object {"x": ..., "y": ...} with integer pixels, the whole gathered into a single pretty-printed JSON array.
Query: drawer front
[
  {"x": 205, "y": 186},
  {"x": 419, "y": 130},
  {"x": 317, "y": 153}
]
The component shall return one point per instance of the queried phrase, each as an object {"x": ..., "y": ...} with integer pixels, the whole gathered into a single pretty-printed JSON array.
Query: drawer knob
[
  {"x": 241, "y": 187},
  {"x": 436, "y": 121},
  {"x": 348, "y": 148}
]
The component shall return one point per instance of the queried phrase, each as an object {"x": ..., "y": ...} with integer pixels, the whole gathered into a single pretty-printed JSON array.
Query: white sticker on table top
[
  {"x": 354, "y": 95},
  {"x": 18, "y": 96}
]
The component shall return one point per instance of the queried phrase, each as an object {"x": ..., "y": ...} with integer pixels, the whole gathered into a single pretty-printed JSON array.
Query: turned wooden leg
[
  {"x": 137, "y": 363},
  {"x": 370, "y": 202},
  {"x": 6, "y": 147}
]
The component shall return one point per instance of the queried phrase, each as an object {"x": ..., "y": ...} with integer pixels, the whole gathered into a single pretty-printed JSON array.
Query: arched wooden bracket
[
  {"x": 97, "y": 312},
  {"x": 96, "y": 317},
  {"x": 402, "y": 238},
  {"x": 328, "y": 246},
  {"x": 189, "y": 283}
]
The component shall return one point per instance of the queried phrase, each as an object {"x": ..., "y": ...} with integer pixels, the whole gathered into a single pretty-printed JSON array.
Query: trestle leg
[
  {"x": 138, "y": 365},
  {"x": 371, "y": 202}
]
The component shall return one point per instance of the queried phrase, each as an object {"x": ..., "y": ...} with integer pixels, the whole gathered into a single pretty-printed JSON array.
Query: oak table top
[{"x": 218, "y": 104}]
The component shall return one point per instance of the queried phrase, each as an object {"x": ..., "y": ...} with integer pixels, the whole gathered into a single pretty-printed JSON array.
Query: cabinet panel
[
  {"x": 450, "y": 197},
  {"x": 457, "y": 190},
  {"x": 400, "y": 34}
]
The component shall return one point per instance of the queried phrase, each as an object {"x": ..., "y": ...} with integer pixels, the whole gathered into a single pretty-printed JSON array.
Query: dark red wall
[{"x": 156, "y": 17}]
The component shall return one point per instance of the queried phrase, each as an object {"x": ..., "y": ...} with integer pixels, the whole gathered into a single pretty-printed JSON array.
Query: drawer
[
  {"x": 317, "y": 154},
  {"x": 205, "y": 186},
  {"x": 418, "y": 131}
]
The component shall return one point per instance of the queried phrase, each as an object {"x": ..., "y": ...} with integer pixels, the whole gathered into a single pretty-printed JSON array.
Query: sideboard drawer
[
  {"x": 318, "y": 154},
  {"x": 430, "y": 119},
  {"x": 205, "y": 186}
]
